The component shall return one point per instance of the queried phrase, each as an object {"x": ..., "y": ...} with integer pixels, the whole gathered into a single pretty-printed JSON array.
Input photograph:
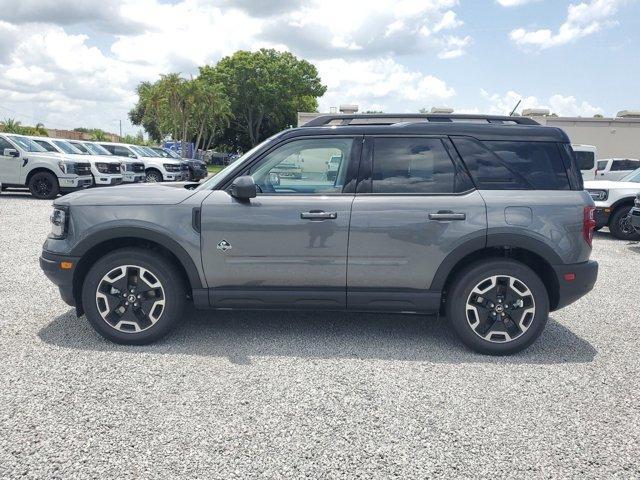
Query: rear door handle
[
  {"x": 445, "y": 215},
  {"x": 318, "y": 215}
]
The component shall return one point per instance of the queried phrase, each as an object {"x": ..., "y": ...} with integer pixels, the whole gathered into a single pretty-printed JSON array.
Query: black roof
[{"x": 482, "y": 127}]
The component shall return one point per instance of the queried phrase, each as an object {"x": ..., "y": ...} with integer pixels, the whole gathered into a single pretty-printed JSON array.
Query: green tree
[
  {"x": 11, "y": 125},
  {"x": 99, "y": 135},
  {"x": 266, "y": 89}
]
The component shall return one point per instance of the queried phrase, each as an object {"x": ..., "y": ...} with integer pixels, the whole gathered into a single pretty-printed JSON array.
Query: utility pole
[{"x": 120, "y": 129}]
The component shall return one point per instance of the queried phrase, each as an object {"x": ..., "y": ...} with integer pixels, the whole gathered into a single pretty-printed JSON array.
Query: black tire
[
  {"x": 44, "y": 186},
  {"x": 154, "y": 176},
  {"x": 620, "y": 226},
  {"x": 461, "y": 291},
  {"x": 173, "y": 294}
]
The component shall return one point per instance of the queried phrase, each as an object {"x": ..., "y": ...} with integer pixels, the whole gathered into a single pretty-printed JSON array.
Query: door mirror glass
[
  {"x": 243, "y": 188},
  {"x": 11, "y": 152}
]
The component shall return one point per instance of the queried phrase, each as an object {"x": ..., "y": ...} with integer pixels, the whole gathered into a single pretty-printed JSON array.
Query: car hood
[
  {"x": 122, "y": 195},
  {"x": 611, "y": 185}
]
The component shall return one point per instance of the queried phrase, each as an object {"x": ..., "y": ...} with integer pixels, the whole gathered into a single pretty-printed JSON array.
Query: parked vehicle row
[
  {"x": 51, "y": 166},
  {"x": 593, "y": 168}
]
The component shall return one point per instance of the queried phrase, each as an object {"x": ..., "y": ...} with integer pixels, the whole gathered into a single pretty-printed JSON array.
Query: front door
[
  {"x": 288, "y": 246},
  {"x": 415, "y": 204},
  {"x": 10, "y": 166}
]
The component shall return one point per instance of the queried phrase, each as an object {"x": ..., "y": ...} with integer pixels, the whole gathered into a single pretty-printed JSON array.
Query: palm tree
[{"x": 12, "y": 126}]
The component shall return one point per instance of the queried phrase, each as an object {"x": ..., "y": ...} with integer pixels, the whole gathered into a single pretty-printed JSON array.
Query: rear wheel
[
  {"x": 497, "y": 306},
  {"x": 133, "y": 296},
  {"x": 620, "y": 224},
  {"x": 154, "y": 176},
  {"x": 44, "y": 185}
]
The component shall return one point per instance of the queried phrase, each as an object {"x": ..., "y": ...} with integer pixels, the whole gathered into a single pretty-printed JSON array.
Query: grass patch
[{"x": 214, "y": 168}]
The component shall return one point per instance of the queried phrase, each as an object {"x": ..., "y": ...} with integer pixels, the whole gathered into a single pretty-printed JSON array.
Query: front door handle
[
  {"x": 446, "y": 215},
  {"x": 318, "y": 215}
]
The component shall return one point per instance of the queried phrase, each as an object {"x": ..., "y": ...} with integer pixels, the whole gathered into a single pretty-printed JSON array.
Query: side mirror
[
  {"x": 243, "y": 188},
  {"x": 11, "y": 152}
]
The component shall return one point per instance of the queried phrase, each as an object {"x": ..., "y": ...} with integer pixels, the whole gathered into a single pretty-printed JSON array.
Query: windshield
[
  {"x": 66, "y": 147},
  {"x": 140, "y": 151},
  {"x": 151, "y": 151},
  {"x": 632, "y": 177},
  {"x": 96, "y": 149},
  {"x": 171, "y": 153},
  {"x": 211, "y": 182},
  {"x": 28, "y": 144},
  {"x": 159, "y": 152}
]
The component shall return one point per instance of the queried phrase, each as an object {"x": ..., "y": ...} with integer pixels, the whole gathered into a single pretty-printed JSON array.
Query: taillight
[{"x": 588, "y": 224}]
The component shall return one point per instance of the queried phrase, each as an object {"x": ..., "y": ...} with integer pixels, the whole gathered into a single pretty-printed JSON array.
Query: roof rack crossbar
[{"x": 391, "y": 119}]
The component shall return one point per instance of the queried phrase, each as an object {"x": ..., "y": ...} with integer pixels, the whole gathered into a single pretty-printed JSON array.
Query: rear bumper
[
  {"x": 584, "y": 278},
  {"x": 635, "y": 218},
  {"x": 62, "y": 278}
]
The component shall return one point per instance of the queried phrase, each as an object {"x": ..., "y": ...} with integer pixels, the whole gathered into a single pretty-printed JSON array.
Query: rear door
[
  {"x": 415, "y": 204},
  {"x": 288, "y": 246}
]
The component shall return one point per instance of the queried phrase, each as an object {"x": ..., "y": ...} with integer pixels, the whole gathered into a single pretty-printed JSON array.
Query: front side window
[
  {"x": 123, "y": 152},
  {"x": 314, "y": 165},
  {"x": 46, "y": 145},
  {"x": 28, "y": 144},
  {"x": 4, "y": 144},
  {"x": 412, "y": 165},
  {"x": 66, "y": 147},
  {"x": 96, "y": 149}
]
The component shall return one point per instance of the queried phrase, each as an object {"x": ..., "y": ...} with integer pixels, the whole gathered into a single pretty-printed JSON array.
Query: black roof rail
[{"x": 393, "y": 118}]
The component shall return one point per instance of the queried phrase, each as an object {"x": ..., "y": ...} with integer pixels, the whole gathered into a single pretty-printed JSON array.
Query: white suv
[
  {"x": 24, "y": 163},
  {"x": 614, "y": 201},
  {"x": 157, "y": 169},
  {"x": 615, "y": 168},
  {"x": 106, "y": 172},
  {"x": 133, "y": 171}
]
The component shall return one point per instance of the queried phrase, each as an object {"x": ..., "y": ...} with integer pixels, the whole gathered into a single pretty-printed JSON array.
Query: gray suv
[{"x": 480, "y": 218}]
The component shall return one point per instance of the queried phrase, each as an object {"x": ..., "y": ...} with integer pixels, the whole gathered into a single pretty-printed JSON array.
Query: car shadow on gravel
[{"x": 327, "y": 335}]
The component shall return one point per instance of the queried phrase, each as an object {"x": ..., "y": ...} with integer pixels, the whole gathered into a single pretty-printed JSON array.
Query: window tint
[
  {"x": 489, "y": 172},
  {"x": 602, "y": 164},
  {"x": 585, "y": 160},
  {"x": 412, "y": 165},
  {"x": 121, "y": 151},
  {"x": 625, "y": 164},
  {"x": 305, "y": 166},
  {"x": 539, "y": 163}
]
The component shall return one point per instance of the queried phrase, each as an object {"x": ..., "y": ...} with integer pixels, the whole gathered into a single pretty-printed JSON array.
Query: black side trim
[
  {"x": 143, "y": 234},
  {"x": 586, "y": 274},
  {"x": 195, "y": 218},
  {"x": 50, "y": 265},
  {"x": 453, "y": 258},
  {"x": 384, "y": 300},
  {"x": 277, "y": 298}
]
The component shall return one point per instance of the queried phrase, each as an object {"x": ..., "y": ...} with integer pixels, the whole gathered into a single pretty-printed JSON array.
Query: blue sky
[{"x": 70, "y": 63}]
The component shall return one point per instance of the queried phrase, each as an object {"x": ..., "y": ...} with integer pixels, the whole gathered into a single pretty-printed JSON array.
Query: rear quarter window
[{"x": 514, "y": 165}]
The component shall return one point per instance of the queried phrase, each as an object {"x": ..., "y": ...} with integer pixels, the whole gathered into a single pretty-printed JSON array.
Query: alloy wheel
[
  {"x": 500, "y": 308},
  {"x": 130, "y": 298}
]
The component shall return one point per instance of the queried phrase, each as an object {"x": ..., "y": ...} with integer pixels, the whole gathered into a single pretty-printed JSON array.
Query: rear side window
[
  {"x": 585, "y": 160},
  {"x": 625, "y": 164},
  {"x": 413, "y": 165},
  {"x": 514, "y": 165}
]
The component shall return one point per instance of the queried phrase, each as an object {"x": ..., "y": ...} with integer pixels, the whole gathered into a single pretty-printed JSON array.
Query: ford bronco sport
[{"x": 481, "y": 218}]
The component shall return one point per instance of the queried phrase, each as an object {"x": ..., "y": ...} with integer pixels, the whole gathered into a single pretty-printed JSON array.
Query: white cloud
[
  {"x": 582, "y": 19},
  {"x": 380, "y": 84},
  {"x": 454, "y": 47},
  {"x": 514, "y": 3},
  {"x": 567, "y": 106}
]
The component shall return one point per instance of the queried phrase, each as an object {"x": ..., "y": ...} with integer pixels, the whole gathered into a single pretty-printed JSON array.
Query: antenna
[{"x": 514, "y": 108}]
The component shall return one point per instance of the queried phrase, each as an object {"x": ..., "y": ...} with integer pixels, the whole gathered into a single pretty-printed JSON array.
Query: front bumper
[
  {"x": 75, "y": 183},
  {"x": 601, "y": 216},
  {"x": 574, "y": 281},
  {"x": 635, "y": 218},
  {"x": 107, "y": 179},
  {"x": 130, "y": 177},
  {"x": 173, "y": 176},
  {"x": 50, "y": 263}
]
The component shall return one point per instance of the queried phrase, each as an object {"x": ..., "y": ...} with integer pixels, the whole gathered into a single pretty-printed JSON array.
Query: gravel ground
[{"x": 312, "y": 395}]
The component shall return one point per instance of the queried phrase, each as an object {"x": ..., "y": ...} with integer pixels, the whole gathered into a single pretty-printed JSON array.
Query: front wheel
[
  {"x": 44, "y": 186},
  {"x": 620, "y": 224},
  {"x": 497, "y": 306},
  {"x": 154, "y": 176},
  {"x": 133, "y": 296}
]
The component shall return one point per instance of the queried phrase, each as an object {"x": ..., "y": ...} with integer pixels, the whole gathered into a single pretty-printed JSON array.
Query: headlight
[
  {"x": 102, "y": 167},
  {"x": 67, "y": 167},
  {"x": 599, "y": 195},
  {"x": 59, "y": 221},
  {"x": 123, "y": 168},
  {"x": 169, "y": 167},
  {"x": 636, "y": 202}
]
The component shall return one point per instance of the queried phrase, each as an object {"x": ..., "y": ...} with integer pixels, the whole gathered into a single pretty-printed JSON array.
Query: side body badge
[{"x": 223, "y": 246}]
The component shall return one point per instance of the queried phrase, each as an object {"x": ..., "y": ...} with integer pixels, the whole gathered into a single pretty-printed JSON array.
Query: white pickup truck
[
  {"x": 24, "y": 163},
  {"x": 614, "y": 201}
]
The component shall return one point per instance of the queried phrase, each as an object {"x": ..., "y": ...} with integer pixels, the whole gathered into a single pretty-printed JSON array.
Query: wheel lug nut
[{"x": 139, "y": 296}]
